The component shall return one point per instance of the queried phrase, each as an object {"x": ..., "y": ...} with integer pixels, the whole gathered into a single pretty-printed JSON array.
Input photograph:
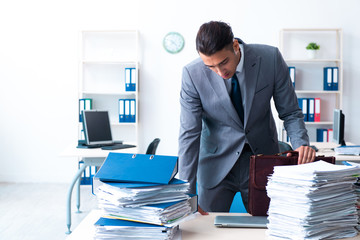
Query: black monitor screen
[
  {"x": 339, "y": 127},
  {"x": 97, "y": 129}
]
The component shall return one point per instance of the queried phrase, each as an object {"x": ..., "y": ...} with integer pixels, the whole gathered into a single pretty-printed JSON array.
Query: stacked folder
[
  {"x": 312, "y": 201},
  {"x": 140, "y": 197}
]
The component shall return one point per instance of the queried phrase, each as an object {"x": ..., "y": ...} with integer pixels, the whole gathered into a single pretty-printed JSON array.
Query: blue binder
[
  {"x": 328, "y": 76},
  {"x": 126, "y": 167},
  {"x": 321, "y": 135},
  {"x": 132, "y": 110},
  {"x": 130, "y": 79},
  {"x": 304, "y": 107},
  {"x": 121, "y": 110},
  {"x": 126, "y": 110},
  {"x": 292, "y": 73},
  {"x": 311, "y": 109},
  {"x": 335, "y": 79},
  {"x": 122, "y": 223}
]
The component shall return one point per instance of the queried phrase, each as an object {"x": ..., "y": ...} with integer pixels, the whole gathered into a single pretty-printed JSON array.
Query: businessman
[{"x": 226, "y": 115}]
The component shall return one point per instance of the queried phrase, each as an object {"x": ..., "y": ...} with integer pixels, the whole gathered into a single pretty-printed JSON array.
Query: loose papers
[{"x": 312, "y": 201}]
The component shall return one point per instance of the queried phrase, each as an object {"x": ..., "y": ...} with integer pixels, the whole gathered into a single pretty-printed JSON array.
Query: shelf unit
[
  {"x": 104, "y": 57},
  {"x": 309, "y": 78}
]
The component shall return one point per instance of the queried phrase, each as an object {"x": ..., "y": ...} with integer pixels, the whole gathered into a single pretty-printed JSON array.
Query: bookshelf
[
  {"x": 104, "y": 58},
  {"x": 309, "y": 78}
]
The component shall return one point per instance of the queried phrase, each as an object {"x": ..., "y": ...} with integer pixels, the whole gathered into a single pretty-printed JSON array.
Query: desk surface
[
  {"x": 73, "y": 151},
  {"x": 202, "y": 227}
]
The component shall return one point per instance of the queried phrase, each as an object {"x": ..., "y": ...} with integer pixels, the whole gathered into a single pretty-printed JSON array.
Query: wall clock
[{"x": 173, "y": 42}]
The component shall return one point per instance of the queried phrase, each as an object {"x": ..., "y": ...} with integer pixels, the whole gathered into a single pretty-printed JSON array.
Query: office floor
[{"x": 30, "y": 211}]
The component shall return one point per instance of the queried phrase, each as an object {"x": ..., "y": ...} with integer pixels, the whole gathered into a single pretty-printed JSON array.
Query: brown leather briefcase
[{"x": 261, "y": 166}]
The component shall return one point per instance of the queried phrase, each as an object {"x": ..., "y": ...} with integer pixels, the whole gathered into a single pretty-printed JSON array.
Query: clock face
[{"x": 173, "y": 42}]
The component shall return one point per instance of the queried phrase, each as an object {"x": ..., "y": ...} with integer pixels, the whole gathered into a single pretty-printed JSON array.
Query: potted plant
[{"x": 312, "y": 49}]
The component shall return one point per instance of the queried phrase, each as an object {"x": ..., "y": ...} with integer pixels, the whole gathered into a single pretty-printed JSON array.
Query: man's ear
[{"x": 236, "y": 46}]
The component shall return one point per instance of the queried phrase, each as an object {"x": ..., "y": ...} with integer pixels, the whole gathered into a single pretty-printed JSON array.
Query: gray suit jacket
[{"x": 211, "y": 133}]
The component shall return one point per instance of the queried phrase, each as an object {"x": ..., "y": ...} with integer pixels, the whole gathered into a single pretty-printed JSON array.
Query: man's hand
[
  {"x": 306, "y": 154},
  {"x": 202, "y": 212}
]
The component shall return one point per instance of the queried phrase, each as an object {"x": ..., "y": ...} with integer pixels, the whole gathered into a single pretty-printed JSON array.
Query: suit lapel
[
  {"x": 251, "y": 66},
  {"x": 217, "y": 84}
]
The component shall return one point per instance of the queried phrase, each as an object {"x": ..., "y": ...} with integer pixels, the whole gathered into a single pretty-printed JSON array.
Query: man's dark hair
[{"x": 213, "y": 36}]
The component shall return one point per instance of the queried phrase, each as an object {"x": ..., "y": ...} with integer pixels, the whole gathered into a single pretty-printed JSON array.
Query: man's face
[{"x": 223, "y": 62}]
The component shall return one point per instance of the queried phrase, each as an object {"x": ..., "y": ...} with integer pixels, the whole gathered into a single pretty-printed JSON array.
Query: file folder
[
  {"x": 121, "y": 110},
  {"x": 327, "y": 78},
  {"x": 311, "y": 106},
  {"x": 335, "y": 78},
  {"x": 132, "y": 110},
  {"x": 125, "y": 167},
  {"x": 303, "y": 106},
  {"x": 84, "y": 104},
  {"x": 127, "y": 79},
  {"x": 317, "y": 110},
  {"x": 133, "y": 79},
  {"x": 321, "y": 135},
  {"x": 127, "y": 110},
  {"x": 330, "y": 135},
  {"x": 292, "y": 75}
]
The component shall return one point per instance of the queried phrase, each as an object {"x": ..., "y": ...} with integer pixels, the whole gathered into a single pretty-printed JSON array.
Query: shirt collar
[{"x": 240, "y": 66}]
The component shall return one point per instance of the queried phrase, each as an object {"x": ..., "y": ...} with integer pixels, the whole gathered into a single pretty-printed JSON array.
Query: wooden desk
[
  {"x": 90, "y": 157},
  {"x": 202, "y": 227}
]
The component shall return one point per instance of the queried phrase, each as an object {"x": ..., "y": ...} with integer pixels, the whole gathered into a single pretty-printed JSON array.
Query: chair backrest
[
  {"x": 283, "y": 146},
  {"x": 153, "y": 146}
]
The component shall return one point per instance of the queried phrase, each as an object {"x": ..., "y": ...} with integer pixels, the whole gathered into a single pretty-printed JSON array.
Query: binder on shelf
[
  {"x": 335, "y": 78},
  {"x": 127, "y": 79},
  {"x": 321, "y": 135},
  {"x": 121, "y": 110},
  {"x": 330, "y": 135},
  {"x": 133, "y": 79},
  {"x": 127, "y": 110},
  {"x": 303, "y": 105},
  {"x": 84, "y": 104},
  {"x": 328, "y": 78},
  {"x": 311, "y": 106},
  {"x": 130, "y": 79},
  {"x": 132, "y": 110},
  {"x": 317, "y": 110},
  {"x": 125, "y": 167},
  {"x": 292, "y": 71}
]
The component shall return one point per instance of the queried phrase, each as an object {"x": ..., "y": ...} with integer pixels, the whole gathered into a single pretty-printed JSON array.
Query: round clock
[{"x": 173, "y": 42}]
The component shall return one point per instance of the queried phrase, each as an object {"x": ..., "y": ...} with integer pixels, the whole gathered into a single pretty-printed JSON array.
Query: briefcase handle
[{"x": 293, "y": 153}]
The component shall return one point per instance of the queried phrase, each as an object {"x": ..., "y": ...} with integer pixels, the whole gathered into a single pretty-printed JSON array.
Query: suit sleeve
[
  {"x": 190, "y": 130},
  {"x": 287, "y": 104}
]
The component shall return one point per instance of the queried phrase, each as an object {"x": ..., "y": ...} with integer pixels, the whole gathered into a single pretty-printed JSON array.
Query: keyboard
[{"x": 117, "y": 146}]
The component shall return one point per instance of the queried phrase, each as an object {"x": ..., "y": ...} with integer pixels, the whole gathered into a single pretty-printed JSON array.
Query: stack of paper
[
  {"x": 347, "y": 150},
  {"x": 312, "y": 201},
  {"x": 140, "y": 197}
]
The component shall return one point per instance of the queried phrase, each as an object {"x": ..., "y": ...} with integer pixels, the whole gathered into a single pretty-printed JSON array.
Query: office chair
[
  {"x": 153, "y": 146},
  {"x": 283, "y": 146}
]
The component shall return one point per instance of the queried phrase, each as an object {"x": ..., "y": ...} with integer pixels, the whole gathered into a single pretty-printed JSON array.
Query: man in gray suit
[{"x": 226, "y": 115}]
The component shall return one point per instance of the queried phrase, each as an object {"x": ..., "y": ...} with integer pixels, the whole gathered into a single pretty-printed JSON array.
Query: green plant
[{"x": 313, "y": 46}]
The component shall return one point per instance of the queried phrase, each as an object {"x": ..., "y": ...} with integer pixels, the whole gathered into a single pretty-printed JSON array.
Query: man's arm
[
  {"x": 289, "y": 111},
  {"x": 190, "y": 131}
]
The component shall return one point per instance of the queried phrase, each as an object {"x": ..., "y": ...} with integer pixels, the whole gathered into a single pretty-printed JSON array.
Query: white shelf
[
  {"x": 309, "y": 72},
  {"x": 316, "y": 92},
  {"x": 312, "y": 60},
  {"x": 104, "y": 58},
  {"x": 319, "y": 123}
]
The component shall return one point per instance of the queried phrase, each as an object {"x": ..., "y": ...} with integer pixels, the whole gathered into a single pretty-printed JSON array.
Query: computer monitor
[
  {"x": 339, "y": 127},
  {"x": 97, "y": 129}
]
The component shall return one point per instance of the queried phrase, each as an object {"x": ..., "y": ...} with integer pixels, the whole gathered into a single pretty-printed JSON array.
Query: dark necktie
[{"x": 236, "y": 97}]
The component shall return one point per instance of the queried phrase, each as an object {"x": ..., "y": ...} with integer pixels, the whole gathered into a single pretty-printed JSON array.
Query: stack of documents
[
  {"x": 312, "y": 201},
  {"x": 348, "y": 150},
  {"x": 140, "y": 197}
]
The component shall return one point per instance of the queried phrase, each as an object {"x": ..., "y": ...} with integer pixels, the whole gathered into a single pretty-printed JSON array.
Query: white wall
[{"x": 39, "y": 50}]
